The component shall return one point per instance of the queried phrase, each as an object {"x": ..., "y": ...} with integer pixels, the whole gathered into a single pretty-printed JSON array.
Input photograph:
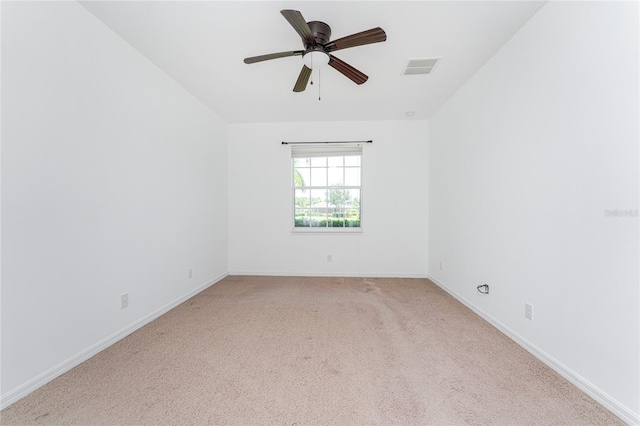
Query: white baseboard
[
  {"x": 44, "y": 378},
  {"x": 325, "y": 274},
  {"x": 624, "y": 413}
]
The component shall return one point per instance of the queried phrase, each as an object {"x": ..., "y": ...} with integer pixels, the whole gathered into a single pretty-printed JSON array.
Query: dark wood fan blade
[
  {"x": 374, "y": 35},
  {"x": 261, "y": 58},
  {"x": 303, "y": 79},
  {"x": 299, "y": 24},
  {"x": 346, "y": 69}
]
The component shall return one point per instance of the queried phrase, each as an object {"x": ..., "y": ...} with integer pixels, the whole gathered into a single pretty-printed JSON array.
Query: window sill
[{"x": 326, "y": 231}]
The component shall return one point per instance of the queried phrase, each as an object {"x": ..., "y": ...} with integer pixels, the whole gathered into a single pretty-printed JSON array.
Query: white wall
[
  {"x": 394, "y": 202},
  {"x": 524, "y": 161},
  {"x": 113, "y": 181}
]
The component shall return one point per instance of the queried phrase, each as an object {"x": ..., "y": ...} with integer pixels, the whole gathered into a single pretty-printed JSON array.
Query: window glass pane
[
  {"x": 318, "y": 207},
  {"x": 319, "y": 198},
  {"x": 335, "y": 222},
  {"x": 352, "y": 176},
  {"x": 337, "y": 208},
  {"x": 302, "y": 218},
  {"x": 352, "y": 222},
  {"x": 302, "y": 198},
  {"x": 352, "y": 160},
  {"x": 336, "y": 161},
  {"x": 352, "y": 217},
  {"x": 354, "y": 197},
  {"x": 301, "y": 176},
  {"x": 318, "y": 177},
  {"x": 336, "y": 176},
  {"x": 318, "y": 220},
  {"x": 338, "y": 199},
  {"x": 301, "y": 162},
  {"x": 319, "y": 162}
]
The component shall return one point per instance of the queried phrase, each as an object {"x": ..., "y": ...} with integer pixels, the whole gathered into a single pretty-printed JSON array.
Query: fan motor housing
[{"x": 321, "y": 32}]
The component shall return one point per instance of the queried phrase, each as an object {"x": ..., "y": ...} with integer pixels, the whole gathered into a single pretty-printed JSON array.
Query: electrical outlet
[
  {"x": 528, "y": 311},
  {"x": 190, "y": 273},
  {"x": 124, "y": 300},
  {"x": 441, "y": 266},
  {"x": 329, "y": 258}
]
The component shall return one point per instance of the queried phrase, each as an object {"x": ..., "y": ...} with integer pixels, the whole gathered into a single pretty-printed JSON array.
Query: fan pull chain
[{"x": 311, "y": 83}]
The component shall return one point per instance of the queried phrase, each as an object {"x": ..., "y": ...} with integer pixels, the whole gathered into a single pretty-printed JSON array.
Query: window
[{"x": 327, "y": 187}]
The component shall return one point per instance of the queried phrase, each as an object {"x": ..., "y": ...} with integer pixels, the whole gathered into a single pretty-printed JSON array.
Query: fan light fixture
[
  {"x": 318, "y": 49},
  {"x": 315, "y": 59}
]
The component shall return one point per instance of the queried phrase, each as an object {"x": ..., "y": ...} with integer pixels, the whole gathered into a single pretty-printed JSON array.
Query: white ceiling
[{"x": 202, "y": 45}]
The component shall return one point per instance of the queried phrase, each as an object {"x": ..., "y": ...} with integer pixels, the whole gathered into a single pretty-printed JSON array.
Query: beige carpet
[{"x": 316, "y": 351}]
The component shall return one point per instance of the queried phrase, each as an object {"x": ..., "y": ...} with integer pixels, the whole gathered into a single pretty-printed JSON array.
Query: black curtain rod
[{"x": 302, "y": 143}]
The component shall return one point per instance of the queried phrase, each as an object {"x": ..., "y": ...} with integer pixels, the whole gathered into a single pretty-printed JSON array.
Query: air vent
[{"x": 420, "y": 66}]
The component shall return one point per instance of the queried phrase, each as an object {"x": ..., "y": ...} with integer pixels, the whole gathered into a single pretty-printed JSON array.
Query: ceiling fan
[{"x": 317, "y": 48}]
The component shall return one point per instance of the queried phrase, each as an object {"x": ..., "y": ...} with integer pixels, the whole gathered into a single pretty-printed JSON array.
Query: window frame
[{"x": 323, "y": 151}]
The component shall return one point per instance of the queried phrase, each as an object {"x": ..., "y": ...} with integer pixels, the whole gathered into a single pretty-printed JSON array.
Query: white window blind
[{"x": 324, "y": 150}]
